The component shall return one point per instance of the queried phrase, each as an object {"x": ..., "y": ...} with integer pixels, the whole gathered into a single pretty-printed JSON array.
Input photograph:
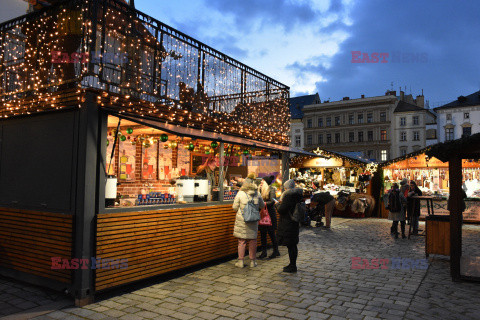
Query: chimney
[
  {"x": 420, "y": 101},
  {"x": 363, "y": 96},
  {"x": 346, "y": 98},
  {"x": 402, "y": 95},
  {"x": 391, "y": 93}
]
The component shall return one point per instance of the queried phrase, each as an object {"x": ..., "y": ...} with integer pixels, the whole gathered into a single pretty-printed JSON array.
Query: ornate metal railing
[{"x": 122, "y": 52}]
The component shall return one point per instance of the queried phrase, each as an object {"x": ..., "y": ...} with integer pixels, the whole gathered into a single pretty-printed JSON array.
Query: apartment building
[
  {"x": 367, "y": 125},
  {"x": 459, "y": 118},
  {"x": 410, "y": 127},
  {"x": 297, "y": 139}
]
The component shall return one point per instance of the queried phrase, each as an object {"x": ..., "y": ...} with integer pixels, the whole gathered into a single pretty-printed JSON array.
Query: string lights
[{"x": 165, "y": 75}]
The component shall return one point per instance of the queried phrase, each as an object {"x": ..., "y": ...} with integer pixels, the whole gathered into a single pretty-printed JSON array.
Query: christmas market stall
[
  {"x": 432, "y": 176},
  {"x": 346, "y": 178},
  {"x": 122, "y": 145}
]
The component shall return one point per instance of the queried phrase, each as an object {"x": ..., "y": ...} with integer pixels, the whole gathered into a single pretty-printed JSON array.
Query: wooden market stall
[
  {"x": 346, "y": 178},
  {"x": 462, "y": 267},
  {"x": 433, "y": 178},
  {"x": 75, "y": 82}
]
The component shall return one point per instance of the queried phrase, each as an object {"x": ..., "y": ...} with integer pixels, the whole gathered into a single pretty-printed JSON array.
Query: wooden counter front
[
  {"x": 29, "y": 240},
  {"x": 159, "y": 241}
]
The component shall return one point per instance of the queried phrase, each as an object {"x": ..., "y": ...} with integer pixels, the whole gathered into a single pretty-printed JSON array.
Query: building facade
[
  {"x": 368, "y": 125},
  {"x": 410, "y": 127},
  {"x": 297, "y": 139},
  {"x": 459, "y": 118}
]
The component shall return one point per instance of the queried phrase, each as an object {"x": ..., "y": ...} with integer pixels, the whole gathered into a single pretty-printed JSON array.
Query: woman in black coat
[
  {"x": 288, "y": 230},
  {"x": 413, "y": 205},
  {"x": 268, "y": 194}
]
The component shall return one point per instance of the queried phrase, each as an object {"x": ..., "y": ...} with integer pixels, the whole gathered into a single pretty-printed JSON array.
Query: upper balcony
[{"x": 137, "y": 65}]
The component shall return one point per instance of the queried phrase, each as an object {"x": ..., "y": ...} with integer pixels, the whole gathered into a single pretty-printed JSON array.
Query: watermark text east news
[{"x": 385, "y": 57}]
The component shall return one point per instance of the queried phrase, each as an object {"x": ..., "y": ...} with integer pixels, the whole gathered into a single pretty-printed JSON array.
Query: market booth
[
  {"x": 348, "y": 179},
  {"x": 433, "y": 178},
  {"x": 121, "y": 155},
  {"x": 463, "y": 265}
]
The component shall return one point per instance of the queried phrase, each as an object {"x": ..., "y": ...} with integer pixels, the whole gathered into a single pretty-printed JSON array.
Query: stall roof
[
  {"x": 202, "y": 134},
  {"x": 328, "y": 154},
  {"x": 401, "y": 158},
  {"x": 465, "y": 148}
]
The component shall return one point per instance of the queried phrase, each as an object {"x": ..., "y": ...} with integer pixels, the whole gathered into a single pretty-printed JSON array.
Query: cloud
[{"x": 446, "y": 35}]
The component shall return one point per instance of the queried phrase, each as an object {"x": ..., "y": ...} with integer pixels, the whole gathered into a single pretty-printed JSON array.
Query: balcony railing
[{"x": 108, "y": 46}]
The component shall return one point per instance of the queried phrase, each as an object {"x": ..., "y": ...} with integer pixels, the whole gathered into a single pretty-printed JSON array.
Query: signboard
[
  {"x": 472, "y": 211},
  {"x": 323, "y": 162}
]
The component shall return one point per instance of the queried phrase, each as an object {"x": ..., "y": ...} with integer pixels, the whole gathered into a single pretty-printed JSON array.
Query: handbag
[
  {"x": 251, "y": 213},
  {"x": 265, "y": 219}
]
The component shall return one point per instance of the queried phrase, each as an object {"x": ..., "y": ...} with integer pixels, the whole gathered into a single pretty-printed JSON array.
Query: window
[
  {"x": 360, "y": 118},
  {"x": 466, "y": 132},
  {"x": 403, "y": 136},
  {"x": 369, "y": 117},
  {"x": 320, "y": 122},
  {"x": 351, "y": 136},
  {"x": 383, "y": 116},
  {"x": 403, "y": 151},
  {"x": 309, "y": 139},
  {"x": 337, "y": 137},
  {"x": 337, "y": 121},
  {"x": 449, "y": 116},
  {"x": 329, "y": 122},
  {"x": 466, "y": 115},
  {"x": 370, "y": 136},
  {"x": 384, "y": 155},
  {"x": 329, "y": 138},
  {"x": 360, "y": 137},
  {"x": 309, "y": 123},
  {"x": 383, "y": 135},
  {"x": 415, "y": 120},
  {"x": 351, "y": 119},
  {"x": 448, "y": 134},
  {"x": 320, "y": 139},
  {"x": 403, "y": 121},
  {"x": 297, "y": 130},
  {"x": 298, "y": 141},
  {"x": 416, "y": 136}
]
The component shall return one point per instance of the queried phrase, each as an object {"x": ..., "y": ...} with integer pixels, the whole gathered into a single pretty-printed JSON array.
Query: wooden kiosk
[{"x": 54, "y": 110}]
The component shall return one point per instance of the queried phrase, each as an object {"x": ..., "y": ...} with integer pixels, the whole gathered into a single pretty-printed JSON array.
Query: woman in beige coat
[{"x": 246, "y": 231}]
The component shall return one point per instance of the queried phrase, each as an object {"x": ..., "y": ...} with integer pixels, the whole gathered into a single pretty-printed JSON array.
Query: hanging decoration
[
  {"x": 129, "y": 130},
  {"x": 164, "y": 137},
  {"x": 214, "y": 144}
]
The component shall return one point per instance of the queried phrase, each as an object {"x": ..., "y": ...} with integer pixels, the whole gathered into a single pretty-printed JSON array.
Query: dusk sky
[{"x": 308, "y": 44}]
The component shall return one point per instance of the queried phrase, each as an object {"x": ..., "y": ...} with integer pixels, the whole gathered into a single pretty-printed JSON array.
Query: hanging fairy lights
[{"x": 164, "y": 75}]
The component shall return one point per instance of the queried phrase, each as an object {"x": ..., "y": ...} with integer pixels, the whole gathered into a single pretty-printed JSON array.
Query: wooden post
[
  {"x": 455, "y": 208},
  {"x": 285, "y": 167},
  {"x": 221, "y": 173}
]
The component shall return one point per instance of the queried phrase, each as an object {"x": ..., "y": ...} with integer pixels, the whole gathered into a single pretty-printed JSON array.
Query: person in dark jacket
[
  {"x": 325, "y": 203},
  {"x": 288, "y": 230},
  {"x": 268, "y": 194},
  {"x": 413, "y": 205}
]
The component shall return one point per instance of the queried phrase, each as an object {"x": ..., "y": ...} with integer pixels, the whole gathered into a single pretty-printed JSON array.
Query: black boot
[
  {"x": 264, "y": 254},
  {"x": 402, "y": 226},
  {"x": 274, "y": 254},
  {"x": 392, "y": 230},
  {"x": 290, "y": 269}
]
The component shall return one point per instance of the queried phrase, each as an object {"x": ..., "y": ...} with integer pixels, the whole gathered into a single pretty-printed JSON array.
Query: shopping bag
[{"x": 265, "y": 219}]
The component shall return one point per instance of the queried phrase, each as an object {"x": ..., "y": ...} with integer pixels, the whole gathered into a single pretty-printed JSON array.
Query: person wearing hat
[
  {"x": 288, "y": 229},
  {"x": 268, "y": 194}
]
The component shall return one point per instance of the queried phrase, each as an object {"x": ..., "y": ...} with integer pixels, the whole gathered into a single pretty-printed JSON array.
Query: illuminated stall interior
[
  {"x": 150, "y": 163},
  {"x": 432, "y": 177}
]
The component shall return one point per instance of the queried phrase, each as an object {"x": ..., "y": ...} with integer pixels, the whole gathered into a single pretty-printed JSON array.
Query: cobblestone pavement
[{"x": 325, "y": 287}]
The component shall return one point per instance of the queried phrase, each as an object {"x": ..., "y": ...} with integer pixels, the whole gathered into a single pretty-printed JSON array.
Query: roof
[
  {"x": 466, "y": 148},
  {"x": 470, "y": 100},
  {"x": 403, "y": 106},
  {"x": 297, "y": 103}
]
